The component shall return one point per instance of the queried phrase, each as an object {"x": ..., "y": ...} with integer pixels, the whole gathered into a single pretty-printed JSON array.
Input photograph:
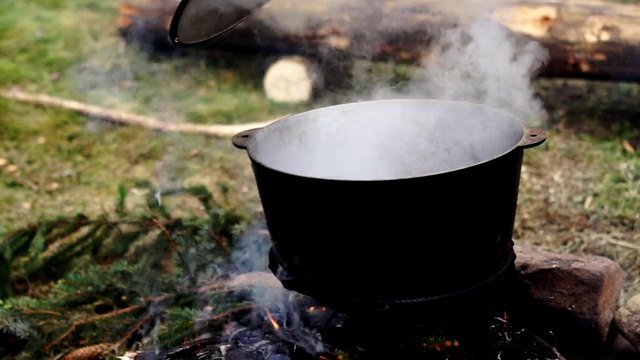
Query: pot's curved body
[{"x": 399, "y": 228}]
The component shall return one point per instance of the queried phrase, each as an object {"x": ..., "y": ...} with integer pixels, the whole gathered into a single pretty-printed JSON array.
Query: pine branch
[
  {"x": 99, "y": 273},
  {"x": 89, "y": 320},
  {"x": 15, "y": 327}
]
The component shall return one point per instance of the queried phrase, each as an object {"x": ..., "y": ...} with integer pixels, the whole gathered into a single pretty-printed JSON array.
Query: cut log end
[
  {"x": 527, "y": 20},
  {"x": 292, "y": 79}
]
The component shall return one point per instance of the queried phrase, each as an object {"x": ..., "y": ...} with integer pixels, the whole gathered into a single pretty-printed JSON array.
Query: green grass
[
  {"x": 57, "y": 162},
  {"x": 72, "y": 49},
  {"x": 40, "y": 38},
  {"x": 579, "y": 193}
]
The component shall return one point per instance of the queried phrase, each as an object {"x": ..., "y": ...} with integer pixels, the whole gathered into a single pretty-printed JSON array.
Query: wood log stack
[{"x": 588, "y": 39}]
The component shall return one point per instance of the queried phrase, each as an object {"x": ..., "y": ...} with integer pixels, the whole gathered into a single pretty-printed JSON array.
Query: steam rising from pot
[
  {"x": 479, "y": 61},
  {"x": 484, "y": 65}
]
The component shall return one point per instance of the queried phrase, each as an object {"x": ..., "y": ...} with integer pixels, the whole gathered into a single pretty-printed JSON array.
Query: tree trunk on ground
[{"x": 586, "y": 39}]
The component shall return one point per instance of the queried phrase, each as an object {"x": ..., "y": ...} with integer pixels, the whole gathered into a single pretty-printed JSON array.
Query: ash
[
  {"x": 283, "y": 331},
  {"x": 300, "y": 328}
]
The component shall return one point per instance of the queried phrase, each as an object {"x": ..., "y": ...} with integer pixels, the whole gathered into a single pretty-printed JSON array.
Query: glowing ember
[
  {"x": 272, "y": 320},
  {"x": 313, "y": 308}
]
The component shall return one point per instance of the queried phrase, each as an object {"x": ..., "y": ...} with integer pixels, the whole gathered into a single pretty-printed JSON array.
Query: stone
[
  {"x": 570, "y": 298},
  {"x": 627, "y": 321},
  {"x": 256, "y": 278}
]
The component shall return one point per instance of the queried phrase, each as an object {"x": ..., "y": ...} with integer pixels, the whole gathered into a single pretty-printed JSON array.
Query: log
[
  {"x": 586, "y": 39},
  {"x": 150, "y": 13},
  {"x": 130, "y": 119},
  {"x": 292, "y": 79}
]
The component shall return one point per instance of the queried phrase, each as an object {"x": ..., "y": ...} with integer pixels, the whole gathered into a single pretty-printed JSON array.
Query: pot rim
[{"x": 531, "y": 137}]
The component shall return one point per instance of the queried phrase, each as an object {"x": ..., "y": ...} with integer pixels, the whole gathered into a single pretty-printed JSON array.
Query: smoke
[
  {"x": 470, "y": 57},
  {"x": 250, "y": 255},
  {"x": 479, "y": 61}
]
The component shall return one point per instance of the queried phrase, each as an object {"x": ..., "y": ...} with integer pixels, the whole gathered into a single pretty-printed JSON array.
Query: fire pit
[{"x": 300, "y": 328}]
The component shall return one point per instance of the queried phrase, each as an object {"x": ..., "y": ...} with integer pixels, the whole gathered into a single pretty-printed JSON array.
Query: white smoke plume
[{"x": 480, "y": 61}]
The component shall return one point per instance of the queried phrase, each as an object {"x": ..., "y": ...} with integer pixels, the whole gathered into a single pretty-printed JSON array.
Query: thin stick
[
  {"x": 109, "y": 314},
  {"x": 544, "y": 344},
  {"x": 176, "y": 248},
  {"x": 128, "y": 118},
  {"x": 25, "y": 182},
  {"x": 41, "y": 312},
  {"x": 88, "y": 321},
  {"x": 214, "y": 286},
  {"x": 130, "y": 333},
  {"x": 621, "y": 243},
  {"x": 61, "y": 337},
  {"x": 226, "y": 313}
]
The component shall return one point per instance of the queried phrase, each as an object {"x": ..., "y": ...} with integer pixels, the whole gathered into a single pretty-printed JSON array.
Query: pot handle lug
[
  {"x": 241, "y": 139},
  {"x": 532, "y": 137}
]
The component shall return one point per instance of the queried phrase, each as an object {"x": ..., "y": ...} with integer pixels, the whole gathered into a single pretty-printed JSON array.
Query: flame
[{"x": 272, "y": 320}]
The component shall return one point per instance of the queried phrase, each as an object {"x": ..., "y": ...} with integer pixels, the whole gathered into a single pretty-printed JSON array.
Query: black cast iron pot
[{"x": 390, "y": 201}]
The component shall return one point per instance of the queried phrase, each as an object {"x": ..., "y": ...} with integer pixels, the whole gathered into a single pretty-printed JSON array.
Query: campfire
[
  {"x": 283, "y": 324},
  {"x": 223, "y": 302}
]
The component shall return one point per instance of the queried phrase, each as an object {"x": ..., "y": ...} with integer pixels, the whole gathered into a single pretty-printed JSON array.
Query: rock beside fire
[
  {"x": 567, "y": 300},
  {"x": 627, "y": 320},
  {"x": 572, "y": 298}
]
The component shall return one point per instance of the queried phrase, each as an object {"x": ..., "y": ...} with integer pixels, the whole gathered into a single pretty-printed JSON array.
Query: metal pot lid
[{"x": 197, "y": 21}]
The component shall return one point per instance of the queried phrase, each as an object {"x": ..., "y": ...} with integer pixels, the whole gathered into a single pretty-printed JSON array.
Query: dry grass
[{"x": 580, "y": 193}]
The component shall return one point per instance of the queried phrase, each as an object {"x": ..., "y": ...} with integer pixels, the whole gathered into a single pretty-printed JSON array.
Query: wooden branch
[
  {"x": 130, "y": 119},
  {"x": 175, "y": 248},
  {"x": 132, "y": 331},
  {"x": 536, "y": 339},
  {"x": 90, "y": 320},
  {"x": 621, "y": 243},
  {"x": 225, "y": 313},
  {"x": 41, "y": 312},
  {"x": 242, "y": 281}
]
